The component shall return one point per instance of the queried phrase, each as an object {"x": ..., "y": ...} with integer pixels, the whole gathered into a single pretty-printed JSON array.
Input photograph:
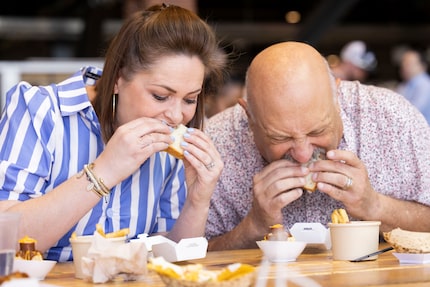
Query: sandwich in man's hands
[
  {"x": 175, "y": 148},
  {"x": 311, "y": 186}
]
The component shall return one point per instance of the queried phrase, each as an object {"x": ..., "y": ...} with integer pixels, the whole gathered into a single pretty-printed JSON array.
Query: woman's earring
[{"x": 114, "y": 96}]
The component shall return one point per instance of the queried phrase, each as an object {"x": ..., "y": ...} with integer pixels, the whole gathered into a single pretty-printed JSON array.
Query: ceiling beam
[
  {"x": 325, "y": 16},
  {"x": 243, "y": 34}
]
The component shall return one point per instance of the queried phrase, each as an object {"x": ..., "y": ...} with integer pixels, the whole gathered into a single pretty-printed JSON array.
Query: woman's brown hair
[{"x": 148, "y": 35}]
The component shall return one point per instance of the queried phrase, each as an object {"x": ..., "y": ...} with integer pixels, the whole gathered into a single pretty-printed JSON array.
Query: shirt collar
[{"x": 72, "y": 94}]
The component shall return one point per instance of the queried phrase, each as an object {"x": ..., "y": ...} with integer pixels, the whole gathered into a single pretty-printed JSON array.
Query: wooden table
[{"x": 313, "y": 268}]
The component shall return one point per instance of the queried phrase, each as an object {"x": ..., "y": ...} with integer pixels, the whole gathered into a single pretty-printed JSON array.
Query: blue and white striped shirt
[{"x": 48, "y": 133}]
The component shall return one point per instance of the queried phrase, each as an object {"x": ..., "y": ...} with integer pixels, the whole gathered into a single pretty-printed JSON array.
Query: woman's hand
[
  {"x": 203, "y": 166},
  {"x": 131, "y": 145}
]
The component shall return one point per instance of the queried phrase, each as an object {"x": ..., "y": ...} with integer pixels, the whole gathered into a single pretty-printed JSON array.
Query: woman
[{"x": 69, "y": 164}]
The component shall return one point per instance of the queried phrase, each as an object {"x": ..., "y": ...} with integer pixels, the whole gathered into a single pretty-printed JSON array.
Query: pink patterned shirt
[{"x": 386, "y": 132}]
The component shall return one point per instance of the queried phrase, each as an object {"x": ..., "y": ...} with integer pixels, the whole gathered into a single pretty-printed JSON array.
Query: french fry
[
  {"x": 73, "y": 236},
  {"x": 119, "y": 233},
  {"x": 339, "y": 216},
  {"x": 99, "y": 229}
]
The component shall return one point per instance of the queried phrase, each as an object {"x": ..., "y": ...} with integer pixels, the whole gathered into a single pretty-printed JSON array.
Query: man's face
[{"x": 293, "y": 129}]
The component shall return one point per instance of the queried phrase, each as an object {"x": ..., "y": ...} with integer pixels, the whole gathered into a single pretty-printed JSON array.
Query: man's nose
[{"x": 302, "y": 150}]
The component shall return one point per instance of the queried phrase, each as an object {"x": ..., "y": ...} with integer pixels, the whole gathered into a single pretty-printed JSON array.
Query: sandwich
[
  {"x": 405, "y": 241},
  {"x": 175, "y": 148},
  {"x": 310, "y": 185}
]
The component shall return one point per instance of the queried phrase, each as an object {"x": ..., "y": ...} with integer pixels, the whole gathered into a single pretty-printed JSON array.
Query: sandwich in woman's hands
[
  {"x": 175, "y": 148},
  {"x": 319, "y": 154}
]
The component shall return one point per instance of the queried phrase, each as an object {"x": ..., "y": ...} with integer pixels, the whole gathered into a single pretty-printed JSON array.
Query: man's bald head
[
  {"x": 288, "y": 71},
  {"x": 292, "y": 97}
]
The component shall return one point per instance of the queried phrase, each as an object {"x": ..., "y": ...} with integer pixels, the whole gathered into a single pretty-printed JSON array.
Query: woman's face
[{"x": 167, "y": 92}]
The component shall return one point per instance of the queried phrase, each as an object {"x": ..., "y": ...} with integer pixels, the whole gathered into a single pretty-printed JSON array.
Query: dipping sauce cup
[{"x": 354, "y": 239}]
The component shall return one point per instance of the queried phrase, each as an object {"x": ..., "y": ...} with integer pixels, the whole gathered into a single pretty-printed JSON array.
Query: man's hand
[
  {"x": 277, "y": 185},
  {"x": 344, "y": 177}
]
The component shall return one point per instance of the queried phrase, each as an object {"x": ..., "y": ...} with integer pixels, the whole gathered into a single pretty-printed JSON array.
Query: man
[
  {"x": 378, "y": 159},
  {"x": 356, "y": 62},
  {"x": 415, "y": 85}
]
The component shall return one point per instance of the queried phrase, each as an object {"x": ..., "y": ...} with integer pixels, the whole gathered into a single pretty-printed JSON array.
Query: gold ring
[{"x": 348, "y": 183}]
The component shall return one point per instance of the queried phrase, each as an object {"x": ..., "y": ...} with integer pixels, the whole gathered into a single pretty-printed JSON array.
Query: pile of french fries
[
  {"x": 119, "y": 233},
  {"x": 339, "y": 216}
]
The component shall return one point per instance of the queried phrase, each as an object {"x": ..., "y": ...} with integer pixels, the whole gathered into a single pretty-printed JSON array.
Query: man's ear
[{"x": 244, "y": 104}]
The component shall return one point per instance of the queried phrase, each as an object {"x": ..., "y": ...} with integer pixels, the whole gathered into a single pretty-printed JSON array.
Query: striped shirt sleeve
[{"x": 26, "y": 133}]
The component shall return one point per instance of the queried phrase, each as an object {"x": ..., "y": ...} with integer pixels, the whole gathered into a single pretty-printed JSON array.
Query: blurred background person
[
  {"x": 415, "y": 81},
  {"x": 227, "y": 95},
  {"x": 356, "y": 62}
]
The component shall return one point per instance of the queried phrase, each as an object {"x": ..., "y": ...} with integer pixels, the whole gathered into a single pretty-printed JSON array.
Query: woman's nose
[{"x": 174, "y": 113}]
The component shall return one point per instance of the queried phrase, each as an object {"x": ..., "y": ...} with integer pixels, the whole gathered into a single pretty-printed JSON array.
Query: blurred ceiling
[{"x": 73, "y": 28}]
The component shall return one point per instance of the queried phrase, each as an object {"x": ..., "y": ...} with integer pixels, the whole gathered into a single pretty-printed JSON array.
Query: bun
[
  {"x": 405, "y": 241},
  {"x": 175, "y": 148},
  {"x": 310, "y": 185}
]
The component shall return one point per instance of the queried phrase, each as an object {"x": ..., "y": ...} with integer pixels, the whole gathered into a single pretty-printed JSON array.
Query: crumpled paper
[{"x": 106, "y": 261}]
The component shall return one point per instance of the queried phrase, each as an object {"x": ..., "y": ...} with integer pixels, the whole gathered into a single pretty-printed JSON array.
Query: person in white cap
[
  {"x": 356, "y": 62},
  {"x": 415, "y": 84}
]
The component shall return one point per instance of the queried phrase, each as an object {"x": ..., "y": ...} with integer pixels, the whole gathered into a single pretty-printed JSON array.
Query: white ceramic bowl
[
  {"x": 34, "y": 268},
  {"x": 281, "y": 251}
]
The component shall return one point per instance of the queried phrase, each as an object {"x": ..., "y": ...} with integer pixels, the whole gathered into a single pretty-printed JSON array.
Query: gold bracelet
[
  {"x": 97, "y": 185},
  {"x": 98, "y": 182}
]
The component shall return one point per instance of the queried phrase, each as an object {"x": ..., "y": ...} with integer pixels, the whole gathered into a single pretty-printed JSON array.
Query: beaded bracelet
[{"x": 97, "y": 185}]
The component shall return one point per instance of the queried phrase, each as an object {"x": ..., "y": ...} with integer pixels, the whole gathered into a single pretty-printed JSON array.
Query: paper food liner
[{"x": 106, "y": 261}]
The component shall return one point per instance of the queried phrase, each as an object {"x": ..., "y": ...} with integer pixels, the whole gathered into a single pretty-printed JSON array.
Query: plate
[{"x": 413, "y": 258}]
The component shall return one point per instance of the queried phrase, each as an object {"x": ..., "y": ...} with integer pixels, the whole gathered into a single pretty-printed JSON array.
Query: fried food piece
[
  {"x": 278, "y": 233},
  {"x": 339, "y": 216},
  {"x": 119, "y": 233},
  {"x": 100, "y": 230},
  {"x": 27, "y": 249},
  {"x": 195, "y": 275},
  {"x": 14, "y": 275}
]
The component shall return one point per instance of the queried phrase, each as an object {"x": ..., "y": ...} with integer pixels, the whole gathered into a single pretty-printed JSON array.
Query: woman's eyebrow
[{"x": 174, "y": 91}]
